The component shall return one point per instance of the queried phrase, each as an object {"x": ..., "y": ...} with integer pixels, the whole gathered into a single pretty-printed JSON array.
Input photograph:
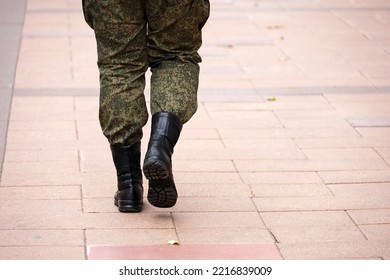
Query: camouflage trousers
[{"x": 133, "y": 35}]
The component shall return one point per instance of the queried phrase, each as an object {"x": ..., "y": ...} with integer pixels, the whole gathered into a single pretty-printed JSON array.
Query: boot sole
[{"x": 162, "y": 190}]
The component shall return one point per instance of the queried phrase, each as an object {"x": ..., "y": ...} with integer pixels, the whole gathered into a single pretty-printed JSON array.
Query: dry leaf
[
  {"x": 272, "y": 99},
  {"x": 173, "y": 242}
]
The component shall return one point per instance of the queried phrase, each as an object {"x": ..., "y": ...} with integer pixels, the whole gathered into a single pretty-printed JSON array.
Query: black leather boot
[
  {"x": 166, "y": 128},
  {"x": 129, "y": 196}
]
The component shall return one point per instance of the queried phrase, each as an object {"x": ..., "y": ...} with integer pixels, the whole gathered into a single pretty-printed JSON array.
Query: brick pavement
[{"x": 290, "y": 148}]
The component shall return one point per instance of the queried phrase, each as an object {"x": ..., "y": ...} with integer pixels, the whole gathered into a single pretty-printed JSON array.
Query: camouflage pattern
[{"x": 133, "y": 35}]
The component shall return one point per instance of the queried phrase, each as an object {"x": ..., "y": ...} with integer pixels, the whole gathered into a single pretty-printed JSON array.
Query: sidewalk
[{"x": 289, "y": 151}]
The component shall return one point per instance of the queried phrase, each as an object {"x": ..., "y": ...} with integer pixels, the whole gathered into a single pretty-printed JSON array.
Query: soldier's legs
[
  {"x": 174, "y": 37},
  {"x": 120, "y": 30}
]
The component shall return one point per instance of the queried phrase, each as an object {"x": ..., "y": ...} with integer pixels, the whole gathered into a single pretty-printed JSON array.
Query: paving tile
[
  {"x": 307, "y": 219},
  {"x": 317, "y": 234},
  {"x": 223, "y": 235},
  {"x": 41, "y": 238},
  {"x": 342, "y": 153},
  {"x": 281, "y": 178},
  {"x": 320, "y": 203},
  {"x": 349, "y": 177},
  {"x": 214, "y": 190},
  {"x": 322, "y": 143},
  {"x": 251, "y": 119},
  {"x": 46, "y": 154},
  {"x": 207, "y": 178},
  {"x": 218, "y": 220},
  {"x": 376, "y": 232},
  {"x": 369, "y": 122},
  {"x": 359, "y": 189},
  {"x": 275, "y": 190},
  {"x": 309, "y": 165},
  {"x": 214, "y": 204},
  {"x": 40, "y": 179},
  {"x": 315, "y": 132},
  {"x": 377, "y": 132},
  {"x": 334, "y": 250},
  {"x": 309, "y": 123},
  {"x": 40, "y": 193},
  {"x": 370, "y": 216},
  {"x": 42, "y": 253},
  {"x": 148, "y": 236},
  {"x": 38, "y": 206},
  {"x": 42, "y": 167},
  {"x": 186, "y": 252}
]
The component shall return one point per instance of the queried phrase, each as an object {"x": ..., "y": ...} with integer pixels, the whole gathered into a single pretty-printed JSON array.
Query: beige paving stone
[
  {"x": 148, "y": 236},
  {"x": 97, "y": 165},
  {"x": 321, "y": 203},
  {"x": 307, "y": 219},
  {"x": 334, "y": 250},
  {"x": 218, "y": 220},
  {"x": 207, "y": 178},
  {"x": 40, "y": 193},
  {"x": 204, "y": 166},
  {"x": 65, "y": 220},
  {"x": 251, "y": 119},
  {"x": 46, "y": 154},
  {"x": 214, "y": 204},
  {"x": 41, "y": 126},
  {"x": 254, "y": 144},
  {"x": 224, "y": 235},
  {"x": 360, "y": 110},
  {"x": 276, "y": 190},
  {"x": 384, "y": 153},
  {"x": 350, "y": 177},
  {"x": 370, "y": 216},
  {"x": 376, "y": 232},
  {"x": 318, "y": 122},
  {"x": 42, "y": 167},
  {"x": 41, "y": 238},
  {"x": 38, "y": 206},
  {"x": 243, "y": 153},
  {"x": 352, "y": 142},
  {"x": 42, "y": 253},
  {"x": 214, "y": 190},
  {"x": 378, "y": 132},
  {"x": 377, "y": 189},
  {"x": 342, "y": 153},
  {"x": 317, "y": 116},
  {"x": 98, "y": 184},
  {"x": 28, "y": 108},
  {"x": 40, "y": 179},
  {"x": 210, "y": 133},
  {"x": 317, "y": 234},
  {"x": 117, "y": 220},
  {"x": 309, "y": 165},
  {"x": 281, "y": 178},
  {"x": 315, "y": 132},
  {"x": 100, "y": 205}
]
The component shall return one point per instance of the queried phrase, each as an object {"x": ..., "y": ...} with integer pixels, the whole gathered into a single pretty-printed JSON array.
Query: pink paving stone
[{"x": 186, "y": 252}]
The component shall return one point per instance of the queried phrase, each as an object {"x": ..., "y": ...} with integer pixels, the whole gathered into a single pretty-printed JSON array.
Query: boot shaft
[
  {"x": 166, "y": 128},
  {"x": 127, "y": 161}
]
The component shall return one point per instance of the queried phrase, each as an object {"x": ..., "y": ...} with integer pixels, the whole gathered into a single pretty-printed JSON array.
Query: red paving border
[{"x": 186, "y": 252}]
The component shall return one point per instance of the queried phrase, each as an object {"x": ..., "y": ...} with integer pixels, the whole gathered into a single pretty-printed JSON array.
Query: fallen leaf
[
  {"x": 272, "y": 99},
  {"x": 173, "y": 242},
  {"x": 272, "y": 27},
  {"x": 283, "y": 59}
]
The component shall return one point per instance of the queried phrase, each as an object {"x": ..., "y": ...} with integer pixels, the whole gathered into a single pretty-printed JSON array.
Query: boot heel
[
  {"x": 127, "y": 206},
  {"x": 155, "y": 170}
]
